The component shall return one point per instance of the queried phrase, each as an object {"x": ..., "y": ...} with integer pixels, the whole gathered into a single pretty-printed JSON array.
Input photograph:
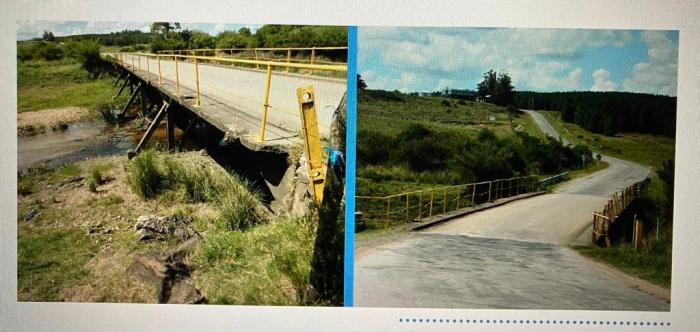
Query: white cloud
[
  {"x": 602, "y": 81},
  {"x": 536, "y": 59},
  {"x": 658, "y": 75}
]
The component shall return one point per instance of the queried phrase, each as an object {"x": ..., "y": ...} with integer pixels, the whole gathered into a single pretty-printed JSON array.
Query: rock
[
  {"x": 202, "y": 152},
  {"x": 184, "y": 293},
  {"x": 148, "y": 268},
  {"x": 150, "y": 227},
  {"x": 31, "y": 215}
]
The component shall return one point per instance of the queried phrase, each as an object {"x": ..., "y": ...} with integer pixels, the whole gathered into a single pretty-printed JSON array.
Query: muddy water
[{"x": 79, "y": 141}]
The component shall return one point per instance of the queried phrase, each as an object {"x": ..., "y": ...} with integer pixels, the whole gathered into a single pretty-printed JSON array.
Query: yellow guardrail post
[
  {"x": 133, "y": 62},
  {"x": 289, "y": 57},
  {"x": 312, "y": 139},
  {"x": 148, "y": 68},
  {"x": 256, "y": 59},
  {"x": 313, "y": 58},
  {"x": 473, "y": 194},
  {"x": 266, "y": 103},
  {"x": 139, "y": 57},
  {"x": 196, "y": 77},
  {"x": 177, "y": 78},
  {"x": 160, "y": 77}
]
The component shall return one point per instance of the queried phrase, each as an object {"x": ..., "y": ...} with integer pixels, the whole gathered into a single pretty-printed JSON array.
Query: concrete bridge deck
[{"x": 232, "y": 97}]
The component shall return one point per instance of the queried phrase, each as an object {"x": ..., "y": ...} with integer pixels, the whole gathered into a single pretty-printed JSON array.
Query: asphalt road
[
  {"x": 243, "y": 89},
  {"x": 512, "y": 256}
]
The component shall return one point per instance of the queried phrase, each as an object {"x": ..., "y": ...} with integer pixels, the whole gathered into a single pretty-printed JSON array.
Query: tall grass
[
  {"x": 144, "y": 175},
  {"x": 238, "y": 206},
  {"x": 266, "y": 264}
]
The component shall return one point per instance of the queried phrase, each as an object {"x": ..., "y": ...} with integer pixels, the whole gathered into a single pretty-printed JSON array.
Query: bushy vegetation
[
  {"x": 39, "y": 50},
  {"x": 608, "y": 112},
  {"x": 152, "y": 173},
  {"x": 404, "y": 139}
]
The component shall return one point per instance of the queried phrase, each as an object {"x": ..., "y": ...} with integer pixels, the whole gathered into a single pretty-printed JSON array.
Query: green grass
[
  {"x": 390, "y": 116},
  {"x": 51, "y": 260},
  {"x": 651, "y": 263},
  {"x": 644, "y": 149},
  {"x": 43, "y": 84},
  {"x": 266, "y": 264},
  {"x": 154, "y": 173}
]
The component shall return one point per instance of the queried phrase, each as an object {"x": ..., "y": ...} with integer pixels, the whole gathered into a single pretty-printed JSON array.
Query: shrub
[
  {"x": 143, "y": 175},
  {"x": 238, "y": 206},
  {"x": 40, "y": 50},
  {"x": 87, "y": 53}
]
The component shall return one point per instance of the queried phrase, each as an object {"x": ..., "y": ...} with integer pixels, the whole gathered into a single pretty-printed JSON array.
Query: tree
[
  {"x": 200, "y": 39},
  {"x": 361, "y": 85},
  {"x": 48, "y": 36},
  {"x": 496, "y": 88},
  {"x": 164, "y": 28}
]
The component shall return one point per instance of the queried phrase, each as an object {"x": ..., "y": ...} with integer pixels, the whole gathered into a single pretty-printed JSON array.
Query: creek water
[{"x": 78, "y": 141}]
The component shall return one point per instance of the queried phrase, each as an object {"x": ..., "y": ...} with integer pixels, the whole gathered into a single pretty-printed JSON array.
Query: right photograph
[{"x": 520, "y": 168}]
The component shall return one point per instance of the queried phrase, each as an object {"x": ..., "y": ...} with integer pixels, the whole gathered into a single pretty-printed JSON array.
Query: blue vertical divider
[{"x": 350, "y": 168}]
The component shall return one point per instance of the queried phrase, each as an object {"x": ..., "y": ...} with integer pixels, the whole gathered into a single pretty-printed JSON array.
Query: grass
[
  {"x": 266, "y": 264},
  {"x": 152, "y": 173},
  {"x": 649, "y": 150},
  {"x": 393, "y": 113},
  {"x": 245, "y": 255},
  {"x": 652, "y": 262},
  {"x": 55, "y": 84},
  {"x": 50, "y": 260}
]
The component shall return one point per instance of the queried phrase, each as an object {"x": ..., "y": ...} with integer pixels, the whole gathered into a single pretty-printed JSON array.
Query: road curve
[{"x": 513, "y": 256}]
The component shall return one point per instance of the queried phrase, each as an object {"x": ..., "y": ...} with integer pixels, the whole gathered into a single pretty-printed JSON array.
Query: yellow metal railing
[
  {"x": 421, "y": 204},
  {"x": 616, "y": 205},
  {"x": 177, "y": 57},
  {"x": 311, "y": 55}
]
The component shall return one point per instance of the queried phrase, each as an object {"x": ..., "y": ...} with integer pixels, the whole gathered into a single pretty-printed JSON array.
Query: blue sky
[
  {"x": 428, "y": 59},
  {"x": 32, "y": 29}
]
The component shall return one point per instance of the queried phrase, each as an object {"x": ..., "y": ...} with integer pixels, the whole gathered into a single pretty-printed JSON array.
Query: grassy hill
[{"x": 408, "y": 142}]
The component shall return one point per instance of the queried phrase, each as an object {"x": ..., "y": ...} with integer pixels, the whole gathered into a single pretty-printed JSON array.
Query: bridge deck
[{"x": 231, "y": 98}]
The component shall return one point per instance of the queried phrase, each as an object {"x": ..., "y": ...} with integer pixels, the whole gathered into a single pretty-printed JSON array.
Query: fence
[
  {"x": 602, "y": 220},
  {"x": 187, "y": 73},
  {"x": 420, "y": 204},
  {"x": 311, "y": 55}
]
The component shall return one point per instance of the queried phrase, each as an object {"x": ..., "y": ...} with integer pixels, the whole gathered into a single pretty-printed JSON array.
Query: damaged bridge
[{"x": 245, "y": 110}]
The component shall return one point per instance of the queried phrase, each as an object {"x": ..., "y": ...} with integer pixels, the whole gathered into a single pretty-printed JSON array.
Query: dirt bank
[{"x": 30, "y": 123}]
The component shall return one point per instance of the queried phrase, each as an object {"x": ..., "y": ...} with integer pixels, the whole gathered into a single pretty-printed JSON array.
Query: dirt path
[{"x": 512, "y": 256}]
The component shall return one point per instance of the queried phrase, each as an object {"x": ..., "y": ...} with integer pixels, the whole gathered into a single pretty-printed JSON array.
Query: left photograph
[{"x": 171, "y": 162}]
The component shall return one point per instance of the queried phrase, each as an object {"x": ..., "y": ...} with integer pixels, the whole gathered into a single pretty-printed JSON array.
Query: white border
[{"x": 621, "y": 14}]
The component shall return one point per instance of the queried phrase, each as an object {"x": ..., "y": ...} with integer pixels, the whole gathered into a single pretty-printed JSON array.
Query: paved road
[
  {"x": 544, "y": 125},
  {"x": 243, "y": 89},
  {"x": 513, "y": 256}
]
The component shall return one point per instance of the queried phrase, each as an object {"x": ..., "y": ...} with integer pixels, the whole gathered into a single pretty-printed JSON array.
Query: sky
[
  {"x": 545, "y": 60},
  {"x": 33, "y": 29}
]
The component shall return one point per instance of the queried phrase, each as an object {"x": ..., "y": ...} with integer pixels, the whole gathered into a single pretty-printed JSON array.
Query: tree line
[
  {"x": 168, "y": 35},
  {"x": 607, "y": 113}
]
